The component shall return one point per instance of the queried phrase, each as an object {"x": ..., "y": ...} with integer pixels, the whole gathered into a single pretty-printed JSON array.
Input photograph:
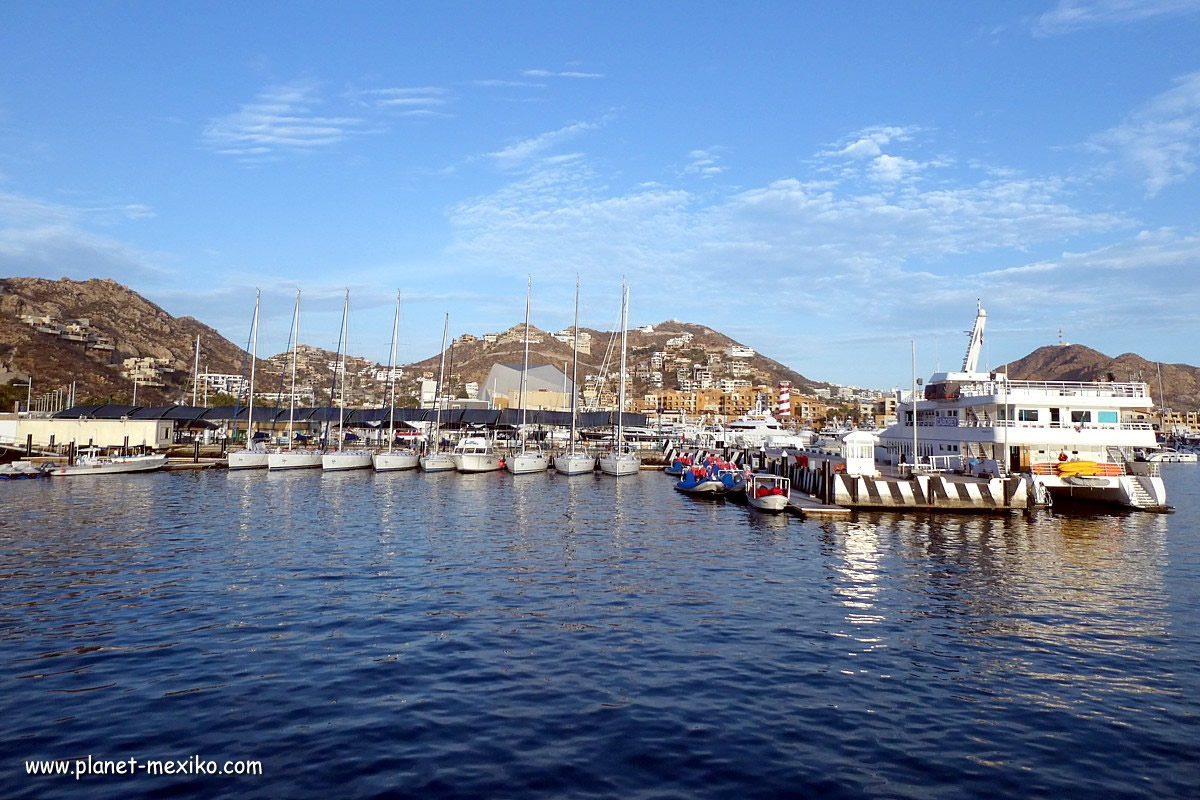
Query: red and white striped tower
[{"x": 785, "y": 399}]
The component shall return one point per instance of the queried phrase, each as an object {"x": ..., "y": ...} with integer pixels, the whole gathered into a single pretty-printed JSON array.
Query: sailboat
[
  {"x": 255, "y": 454},
  {"x": 342, "y": 459},
  {"x": 291, "y": 458},
  {"x": 526, "y": 460},
  {"x": 435, "y": 460},
  {"x": 394, "y": 459},
  {"x": 619, "y": 459},
  {"x": 574, "y": 462}
]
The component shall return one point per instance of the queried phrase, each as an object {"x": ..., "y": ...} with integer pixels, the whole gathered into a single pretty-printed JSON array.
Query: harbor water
[{"x": 445, "y": 635}]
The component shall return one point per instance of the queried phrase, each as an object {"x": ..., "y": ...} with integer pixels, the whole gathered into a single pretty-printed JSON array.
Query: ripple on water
[{"x": 408, "y": 634}]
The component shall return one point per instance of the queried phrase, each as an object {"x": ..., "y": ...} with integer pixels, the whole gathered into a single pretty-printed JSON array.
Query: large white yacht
[
  {"x": 763, "y": 430},
  {"x": 1074, "y": 437}
]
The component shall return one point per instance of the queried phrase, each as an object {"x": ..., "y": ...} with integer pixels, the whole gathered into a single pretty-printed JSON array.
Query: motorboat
[
  {"x": 23, "y": 469},
  {"x": 700, "y": 481},
  {"x": 983, "y": 422},
  {"x": 92, "y": 462},
  {"x": 768, "y": 492},
  {"x": 476, "y": 454},
  {"x": 753, "y": 431},
  {"x": 1167, "y": 455}
]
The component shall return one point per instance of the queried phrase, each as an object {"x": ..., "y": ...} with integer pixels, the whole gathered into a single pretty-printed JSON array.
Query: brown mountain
[
  {"x": 471, "y": 360},
  {"x": 1073, "y": 362},
  {"x": 90, "y": 328}
]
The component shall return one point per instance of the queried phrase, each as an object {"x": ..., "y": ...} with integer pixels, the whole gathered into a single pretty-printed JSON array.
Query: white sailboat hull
[
  {"x": 619, "y": 464},
  {"x": 294, "y": 459},
  {"x": 248, "y": 459},
  {"x": 437, "y": 462},
  {"x": 575, "y": 463},
  {"x": 387, "y": 462},
  {"x": 109, "y": 466},
  {"x": 521, "y": 463},
  {"x": 346, "y": 459}
]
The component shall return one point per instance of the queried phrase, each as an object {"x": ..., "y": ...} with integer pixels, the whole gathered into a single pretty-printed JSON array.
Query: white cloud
[
  {"x": 869, "y": 142},
  {"x": 1161, "y": 141},
  {"x": 890, "y": 169},
  {"x": 705, "y": 163},
  {"x": 280, "y": 119},
  {"x": 1073, "y": 15},
  {"x": 520, "y": 152},
  {"x": 543, "y": 73}
]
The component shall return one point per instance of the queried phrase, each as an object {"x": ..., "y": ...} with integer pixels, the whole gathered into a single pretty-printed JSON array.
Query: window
[
  {"x": 1027, "y": 415},
  {"x": 1107, "y": 417},
  {"x": 1081, "y": 416}
]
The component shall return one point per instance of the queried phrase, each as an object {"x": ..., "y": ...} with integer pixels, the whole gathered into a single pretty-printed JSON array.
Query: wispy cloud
[
  {"x": 521, "y": 152},
  {"x": 280, "y": 120},
  {"x": 421, "y": 101},
  {"x": 1161, "y": 141},
  {"x": 869, "y": 147},
  {"x": 545, "y": 73},
  {"x": 503, "y": 84},
  {"x": 705, "y": 163},
  {"x": 1073, "y": 15}
]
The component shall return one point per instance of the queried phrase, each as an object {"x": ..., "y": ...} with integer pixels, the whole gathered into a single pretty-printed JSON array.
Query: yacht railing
[
  {"x": 949, "y": 422},
  {"x": 1133, "y": 389}
]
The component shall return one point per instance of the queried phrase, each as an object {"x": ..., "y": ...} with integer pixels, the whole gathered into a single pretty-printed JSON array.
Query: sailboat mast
[
  {"x": 196, "y": 371},
  {"x": 392, "y": 375},
  {"x": 525, "y": 367},
  {"x": 295, "y": 343},
  {"x": 621, "y": 391},
  {"x": 437, "y": 397},
  {"x": 253, "y": 358},
  {"x": 342, "y": 368},
  {"x": 575, "y": 368}
]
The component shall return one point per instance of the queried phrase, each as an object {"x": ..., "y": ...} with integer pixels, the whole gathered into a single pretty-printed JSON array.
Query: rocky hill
[
  {"x": 83, "y": 331},
  {"x": 1073, "y": 362},
  {"x": 470, "y": 359}
]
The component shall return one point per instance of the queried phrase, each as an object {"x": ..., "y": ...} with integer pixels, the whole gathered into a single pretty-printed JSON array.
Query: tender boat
[
  {"x": 1166, "y": 455},
  {"x": 700, "y": 481},
  {"x": 986, "y": 423},
  {"x": 90, "y": 462},
  {"x": 677, "y": 466},
  {"x": 768, "y": 492}
]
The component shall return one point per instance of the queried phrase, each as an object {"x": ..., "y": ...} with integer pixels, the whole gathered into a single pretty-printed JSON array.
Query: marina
[{"x": 362, "y": 633}]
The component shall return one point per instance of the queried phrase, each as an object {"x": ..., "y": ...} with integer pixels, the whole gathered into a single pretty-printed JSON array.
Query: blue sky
[{"x": 824, "y": 181}]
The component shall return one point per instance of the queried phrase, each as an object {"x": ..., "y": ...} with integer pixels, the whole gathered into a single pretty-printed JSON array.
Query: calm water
[{"x": 538, "y": 636}]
